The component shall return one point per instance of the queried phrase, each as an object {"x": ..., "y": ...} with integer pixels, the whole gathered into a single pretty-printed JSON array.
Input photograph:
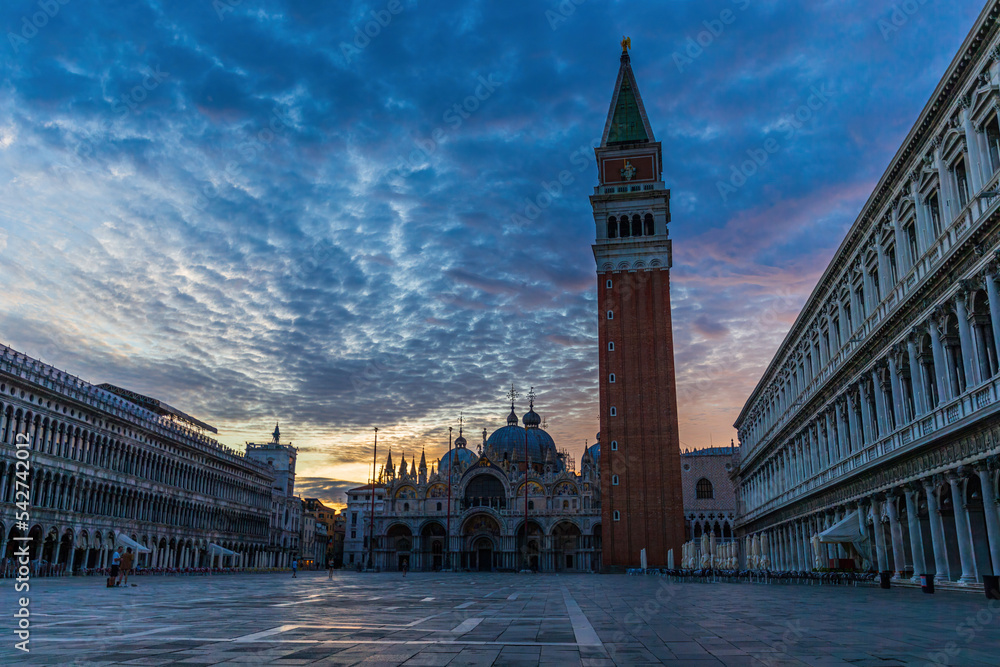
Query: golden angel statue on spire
[{"x": 626, "y": 43}]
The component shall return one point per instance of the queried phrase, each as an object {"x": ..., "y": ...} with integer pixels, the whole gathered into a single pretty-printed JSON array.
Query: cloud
[{"x": 272, "y": 232}]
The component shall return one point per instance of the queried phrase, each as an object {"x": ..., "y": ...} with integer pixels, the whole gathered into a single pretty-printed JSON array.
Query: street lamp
[
  {"x": 371, "y": 523},
  {"x": 447, "y": 530}
]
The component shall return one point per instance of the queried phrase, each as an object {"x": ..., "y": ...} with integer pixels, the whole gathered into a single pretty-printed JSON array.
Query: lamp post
[
  {"x": 371, "y": 521},
  {"x": 447, "y": 530}
]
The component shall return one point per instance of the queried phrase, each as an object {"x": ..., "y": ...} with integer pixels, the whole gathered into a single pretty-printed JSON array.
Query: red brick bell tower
[{"x": 641, "y": 502}]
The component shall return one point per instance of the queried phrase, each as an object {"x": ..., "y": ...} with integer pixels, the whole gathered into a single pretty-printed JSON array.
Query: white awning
[
  {"x": 847, "y": 530},
  {"x": 222, "y": 551},
  {"x": 125, "y": 540}
]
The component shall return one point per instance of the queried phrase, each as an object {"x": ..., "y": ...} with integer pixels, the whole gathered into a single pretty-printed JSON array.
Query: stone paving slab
[{"x": 495, "y": 619}]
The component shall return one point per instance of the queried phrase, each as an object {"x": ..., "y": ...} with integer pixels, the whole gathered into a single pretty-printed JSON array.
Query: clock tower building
[{"x": 641, "y": 499}]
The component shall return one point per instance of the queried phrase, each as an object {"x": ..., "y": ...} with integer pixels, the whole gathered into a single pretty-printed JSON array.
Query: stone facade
[
  {"x": 479, "y": 525},
  {"x": 105, "y": 465},
  {"x": 709, "y": 493},
  {"x": 882, "y": 406},
  {"x": 285, "y": 534},
  {"x": 643, "y": 506}
]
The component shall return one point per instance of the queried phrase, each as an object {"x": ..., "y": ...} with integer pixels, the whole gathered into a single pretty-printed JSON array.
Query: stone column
[
  {"x": 880, "y": 548},
  {"x": 897, "y": 389},
  {"x": 804, "y": 547},
  {"x": 994, "y": 297},
  {"x": 940, "y": 365},
  {"x": 965, "y": 549},
  {"x": 828, "y": 448},
  {"x": 974, "y": 163},
  {"x": 913, "y": 527},
  {"x": 965, "y": 336},
  {"x": 991, "y": 513},
  {"x": 866, "y": 418},
  {"x": 921, "y": 403},
  {"x": 841, "y": 433},
  {"x": 941, "y": 569},
  {"x": 852, "y": 420},
  {"x": 882, "y": 419},
  {"x": 814, "y": 448},
  {"x": 862, "y": 507},
  {"x": 896, "y": 531}
]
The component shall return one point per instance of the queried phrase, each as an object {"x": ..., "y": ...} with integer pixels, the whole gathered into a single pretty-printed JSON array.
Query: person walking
[
  {"x": 126, "y": 567},
  {"x": 406, "y": 565},
  {"x": 115, "y": 562},
  {"x": 295, "y": 568},
  {"x": 329, "y": 569}
]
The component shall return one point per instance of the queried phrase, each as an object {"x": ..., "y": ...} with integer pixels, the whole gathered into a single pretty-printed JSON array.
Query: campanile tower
[{"x": 641, "y": 500}]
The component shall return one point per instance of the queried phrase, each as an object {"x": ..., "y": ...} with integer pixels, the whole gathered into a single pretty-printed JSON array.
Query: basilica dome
[
  {"x": 510, "y": 439},
  {"x": 462, "y": 456}
]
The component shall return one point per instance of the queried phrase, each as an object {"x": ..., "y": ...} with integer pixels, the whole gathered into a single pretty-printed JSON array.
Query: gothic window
[
  {"x": 611, "y": 378},
  {"x": 616, "y": 515},
  {"x": 614, "y": 445},
  {"x": 647, "y": 224},
  {"x": 611, "y": 314},
  {"x": 636, "y": 225},
  {"x": 612, "y": 227},
  {"x": 614, "y": 411},
  {"x": 703, "y": 489},
  {"x": 624, "y": 227},
  {"x": 611, "y": 346},
  {"x": 607, "y": 283},
  {"x": 614, "y": 480}
]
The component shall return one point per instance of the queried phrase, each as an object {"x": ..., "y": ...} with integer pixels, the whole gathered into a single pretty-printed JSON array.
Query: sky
[{"x": 344, "y": 215}]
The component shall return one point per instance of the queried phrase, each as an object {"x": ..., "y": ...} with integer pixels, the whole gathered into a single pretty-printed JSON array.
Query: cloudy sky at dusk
[{"x": 254, "y": 213}]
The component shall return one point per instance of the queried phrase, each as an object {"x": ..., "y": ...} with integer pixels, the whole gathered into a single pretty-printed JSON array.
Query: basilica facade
[
  {"x": 872, "y": 440},
  {"x": 469, "y": 510}
]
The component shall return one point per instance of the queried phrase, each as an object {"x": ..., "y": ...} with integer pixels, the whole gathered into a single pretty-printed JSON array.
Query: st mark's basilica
[{"x": 485, "y": 514}]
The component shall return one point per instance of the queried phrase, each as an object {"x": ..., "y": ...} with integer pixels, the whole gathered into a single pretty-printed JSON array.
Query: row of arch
[
  {"x": 954, "y": 351},
  {"x": 948, "y": 526},
  {"x": 64, "y": 440},
  {"x": 624, "y": 227},
  {"x": 81, "y": 548},
  {"x": 482, "y": 543},
  {"x": 66, "y": 492}
]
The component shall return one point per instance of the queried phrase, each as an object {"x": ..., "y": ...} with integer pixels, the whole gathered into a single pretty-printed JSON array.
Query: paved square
[{"x": 495, "y": 619}]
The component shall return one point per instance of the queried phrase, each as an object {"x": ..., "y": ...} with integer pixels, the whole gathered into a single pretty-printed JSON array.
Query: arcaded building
[
  {"x": 875, "y": 427},
  {"x": 108, "y": 467}
]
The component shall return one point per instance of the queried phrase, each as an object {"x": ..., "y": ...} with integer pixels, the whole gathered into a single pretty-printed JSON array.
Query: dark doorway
[{"x": 485, "y": 560}]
